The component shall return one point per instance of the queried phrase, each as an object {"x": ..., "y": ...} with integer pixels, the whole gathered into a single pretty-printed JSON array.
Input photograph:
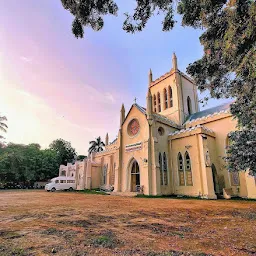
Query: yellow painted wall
[
  {"x": 188, "y": 89},
  {"x": 222, "y": 124},
  {"x": 162, "y": 145},
  {"x": 172, "y": 112},
  {"x": 177, "y": 146},
  {"x": 139, "y": 155},
  {"x": 96, "y": 177}
]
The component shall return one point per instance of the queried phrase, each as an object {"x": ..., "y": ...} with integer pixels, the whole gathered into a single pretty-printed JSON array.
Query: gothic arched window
[
  {"x": 105, "y": 169},
  {"x": 170, "y": 97},
  {"x": 160, "y": 168},
  {"x": 189, "y": 181},
  {"x": 165, "y": 179},
  {"x": 154, "y": 103},
  {"x": 181, "y": 170},
  {"x": 159, "y": 102},
  {"x": 165, "y": 99},
  {"x": 189, "y": 105}
]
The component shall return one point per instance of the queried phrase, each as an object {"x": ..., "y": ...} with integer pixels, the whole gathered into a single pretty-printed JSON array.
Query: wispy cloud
[
  {"x": 109, "y": 97},
  {"x": 26, "y": 59},
  {"x": 98, "y": 96}
]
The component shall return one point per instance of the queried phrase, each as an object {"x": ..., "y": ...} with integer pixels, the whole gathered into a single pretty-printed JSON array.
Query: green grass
[
  {"x": 92, "y": 191},
  {"x": 106, "y": 240},
  {"x": 191, "y": 197},
  {"x": 168, "y": 197}
]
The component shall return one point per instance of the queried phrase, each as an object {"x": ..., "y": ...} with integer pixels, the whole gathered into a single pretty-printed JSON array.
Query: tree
[
  {"x": 3, "y": 128},
  {"x": 97, "y": 145},
  {"x": 64, "y": 151},
  {"x": 3, "y": 125},
  {"x": 81, "y": 157},
  {"x": 228, "y": 66},
  {"x": 27, "y": 163},
  {"x": 90, "y": 13},
  {"x": 50, "y": 165}
]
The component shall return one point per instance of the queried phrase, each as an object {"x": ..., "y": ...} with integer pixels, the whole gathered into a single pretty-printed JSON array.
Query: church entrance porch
[{"x": 135, "y": 177}]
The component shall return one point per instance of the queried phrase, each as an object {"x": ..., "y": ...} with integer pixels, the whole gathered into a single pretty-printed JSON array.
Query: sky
[{"x": 53, "y": 85}]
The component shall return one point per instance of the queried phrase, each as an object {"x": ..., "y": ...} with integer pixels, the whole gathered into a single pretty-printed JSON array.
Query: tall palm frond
[
  {"x": 3, "y": 126},
  {"x": 96, "y": 146}
]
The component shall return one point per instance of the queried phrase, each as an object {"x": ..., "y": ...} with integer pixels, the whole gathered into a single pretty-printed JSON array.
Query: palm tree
[
  {"x": 3, "y": 126},
  {"x": 96, "y": 145}
]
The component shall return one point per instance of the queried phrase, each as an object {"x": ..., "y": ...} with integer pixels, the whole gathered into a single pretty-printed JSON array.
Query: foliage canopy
[
  {"x": 97, "y": 145},
  {"x": 65, "y": 152},
  {"x": 228, "y": 66}
]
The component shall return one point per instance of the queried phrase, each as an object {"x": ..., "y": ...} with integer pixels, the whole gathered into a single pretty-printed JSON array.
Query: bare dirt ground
[{"x": 72, "y": 223}]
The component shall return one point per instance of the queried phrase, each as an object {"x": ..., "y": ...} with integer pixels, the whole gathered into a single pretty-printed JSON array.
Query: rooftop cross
[{"x": 135, "y": 100}]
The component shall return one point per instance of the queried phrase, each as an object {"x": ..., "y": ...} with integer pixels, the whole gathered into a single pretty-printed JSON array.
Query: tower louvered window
[
  {"x": 189, "y": 105},
  {"x": 165, "y": 99},
  {"x": 170, "y": 97},
  {"x": 159, "y": 102}
]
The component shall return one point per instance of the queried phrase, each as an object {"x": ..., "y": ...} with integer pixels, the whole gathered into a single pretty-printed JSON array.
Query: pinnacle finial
[
  {"x": 174, "y": 62},
  {"x": 150, "y": 76},
  {"x": 106, "y": 140},
  {"x": 122, "y": 115}
]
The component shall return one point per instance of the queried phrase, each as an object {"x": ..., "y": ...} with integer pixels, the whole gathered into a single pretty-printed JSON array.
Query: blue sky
[{"x": 54, "y": 85}]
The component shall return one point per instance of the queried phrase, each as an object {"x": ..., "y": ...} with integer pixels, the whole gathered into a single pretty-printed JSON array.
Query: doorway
[
  {"x": 135, "y": 176},
  {"x": 215, "y": 180}
]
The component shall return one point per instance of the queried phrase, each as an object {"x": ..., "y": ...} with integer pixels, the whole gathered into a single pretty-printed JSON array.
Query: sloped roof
[
  {"x": 168, "y": 74},
  {"x": 114, "y": 141},
  {"x": 221, "y": 108},
  {"x": 165, "y": 120},
  {"x": 141, "y": 109},
  {"x": 157, "y": 116},
  {"x": 191, "y": 129}
]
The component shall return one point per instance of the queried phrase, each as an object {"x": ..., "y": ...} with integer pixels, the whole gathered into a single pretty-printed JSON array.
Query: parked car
[{"x": 61, "y": 183}]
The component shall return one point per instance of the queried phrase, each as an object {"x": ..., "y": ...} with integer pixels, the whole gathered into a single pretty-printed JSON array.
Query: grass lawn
[{"x": 74, "y": 224}]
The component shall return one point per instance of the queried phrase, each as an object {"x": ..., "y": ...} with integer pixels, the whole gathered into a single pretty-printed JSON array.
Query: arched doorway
[
  {"x": 215, "y": 180},
  {"x": 135, "y": 176}
]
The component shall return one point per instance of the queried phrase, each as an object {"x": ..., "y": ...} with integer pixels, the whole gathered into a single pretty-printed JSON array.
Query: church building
[{"x": 169, "y": 147}]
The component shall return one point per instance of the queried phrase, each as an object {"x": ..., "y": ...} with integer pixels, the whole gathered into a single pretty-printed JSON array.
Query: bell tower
[{"x": 174, "y": 94}]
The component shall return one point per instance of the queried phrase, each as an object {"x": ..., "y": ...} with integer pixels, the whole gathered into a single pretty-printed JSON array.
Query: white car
[{"x": 61, "y": 183}]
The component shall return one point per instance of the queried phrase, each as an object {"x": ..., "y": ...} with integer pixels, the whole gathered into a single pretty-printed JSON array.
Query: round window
[
  {"x": 133, "y": 127},
  {"x": 161, "y": 131}
]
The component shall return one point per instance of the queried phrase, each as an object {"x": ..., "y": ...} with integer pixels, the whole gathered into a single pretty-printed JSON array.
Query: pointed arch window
[
  {"x": 105, "y": 169},
  {"x": 189, "y": 181},
  {"x": 181, "y": 170},
  {"x": 189, "y": 105},
  {"x": 161, "y": 168},
  {"x": 165, "y": 178},
  {"x": 165, "y": 99},
  {"x": 154, "y": 103},
  {"x": 170, "y": 97},
  {"x": 159, "y": 102}
]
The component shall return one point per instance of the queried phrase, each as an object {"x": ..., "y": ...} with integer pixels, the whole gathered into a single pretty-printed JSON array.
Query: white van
[{"x": 61, "y": 183}]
